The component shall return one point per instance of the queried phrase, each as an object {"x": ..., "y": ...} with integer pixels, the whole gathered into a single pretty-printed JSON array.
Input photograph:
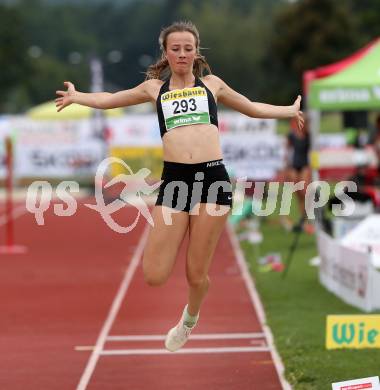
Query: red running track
[{"x": 76, "y": 314}]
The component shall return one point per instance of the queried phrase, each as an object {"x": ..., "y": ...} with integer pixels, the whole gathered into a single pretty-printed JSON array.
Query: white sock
[{"x": 189, "y": 320}]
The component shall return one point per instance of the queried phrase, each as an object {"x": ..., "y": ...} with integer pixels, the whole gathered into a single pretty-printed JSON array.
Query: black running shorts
[{"x": 185, "y": 185}]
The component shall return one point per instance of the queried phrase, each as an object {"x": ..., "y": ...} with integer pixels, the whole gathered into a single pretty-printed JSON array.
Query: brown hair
[{"x": 161, "y": 70}]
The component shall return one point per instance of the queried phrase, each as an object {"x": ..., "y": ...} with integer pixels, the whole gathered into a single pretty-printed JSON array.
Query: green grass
[{"x": 296, "y": 308}]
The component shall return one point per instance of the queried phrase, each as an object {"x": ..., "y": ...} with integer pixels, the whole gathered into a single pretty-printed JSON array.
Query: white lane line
[
  {"x": 256, "y": 302},
  {"x": 211, "y": 336},
  {"x": 113, "y": 352},
  {"x": 97, "y": 351},
  {"x": 252, "y": 342}
]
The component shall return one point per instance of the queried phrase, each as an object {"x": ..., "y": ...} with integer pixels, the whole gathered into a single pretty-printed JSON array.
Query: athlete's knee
[
  {"x": 154, "y": 279},
  {"x": 153, "y": 275},
  {"x": 198, "y": 280}
]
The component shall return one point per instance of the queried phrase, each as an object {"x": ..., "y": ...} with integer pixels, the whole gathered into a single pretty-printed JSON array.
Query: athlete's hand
[
  {"x": 298, "y": 114},
  {"x": 65, "y": 97}
]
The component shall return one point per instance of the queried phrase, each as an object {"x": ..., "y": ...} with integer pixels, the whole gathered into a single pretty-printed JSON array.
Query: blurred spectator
[
  {"x": 298, "y": 169},
  {"x": 374, "y": 131},
  {"x": 356, "y": 137},
  {"x": 355, "y": 124},
  {"x": 376, "y": 142}
]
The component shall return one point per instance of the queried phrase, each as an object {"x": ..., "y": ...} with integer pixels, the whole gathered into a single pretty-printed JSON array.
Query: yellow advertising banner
[
  {"x": 353, "y": 331},
  {"x": 314, "y": 159},
  {"x": 137, "y": 158}
]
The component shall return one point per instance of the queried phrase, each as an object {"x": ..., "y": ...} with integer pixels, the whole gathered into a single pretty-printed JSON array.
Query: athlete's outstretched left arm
[{"x": 230, "y": 98}]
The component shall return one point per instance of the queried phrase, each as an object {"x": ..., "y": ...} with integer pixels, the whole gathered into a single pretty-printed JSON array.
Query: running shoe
[{"x": 177, "y": 336}]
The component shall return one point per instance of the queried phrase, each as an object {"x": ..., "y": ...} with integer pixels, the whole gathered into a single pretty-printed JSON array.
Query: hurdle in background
[{"x": 10, "y": 247}]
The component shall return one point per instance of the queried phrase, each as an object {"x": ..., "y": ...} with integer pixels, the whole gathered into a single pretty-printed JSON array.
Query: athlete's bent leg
[{"x": 205, "y": 230}]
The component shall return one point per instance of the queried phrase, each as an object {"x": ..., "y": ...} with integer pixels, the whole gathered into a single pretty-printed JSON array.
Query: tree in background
[
  {"x": 367, "y": 24},
  {"x": 14, "y": 64},
  {"x": 235, "y": 36},
  {"x": 260, "y": 47},
  {"x": 306, "y": 34}
]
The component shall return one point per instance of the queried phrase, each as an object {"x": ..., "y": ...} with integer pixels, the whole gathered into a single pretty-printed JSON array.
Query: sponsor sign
[
  {"x": 256, "y": 157},
  {"x": 371, "y": 383},
  {"x": 58, "y": 160},
  {"x": 353, "y": 331},
  {"x": 56, "y": 149},
  {"x": 365, "y": 97}
]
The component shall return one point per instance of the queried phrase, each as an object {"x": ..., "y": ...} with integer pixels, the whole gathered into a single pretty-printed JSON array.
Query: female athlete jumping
[{"x": 196, "y": 190}]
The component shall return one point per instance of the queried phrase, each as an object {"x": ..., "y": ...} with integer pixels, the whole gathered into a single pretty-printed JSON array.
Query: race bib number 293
[{"x": 183, "y": 107}]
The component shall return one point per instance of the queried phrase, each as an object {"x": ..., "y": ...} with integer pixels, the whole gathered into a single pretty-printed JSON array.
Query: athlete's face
[{"x": 181, "y": 51}]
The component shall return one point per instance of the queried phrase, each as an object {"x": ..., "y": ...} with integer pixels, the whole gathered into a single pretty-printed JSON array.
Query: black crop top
[{"x": 188, "y": 106}]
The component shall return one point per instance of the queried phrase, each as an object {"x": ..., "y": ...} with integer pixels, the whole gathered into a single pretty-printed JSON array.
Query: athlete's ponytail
[{"x": 161, "y": 70}]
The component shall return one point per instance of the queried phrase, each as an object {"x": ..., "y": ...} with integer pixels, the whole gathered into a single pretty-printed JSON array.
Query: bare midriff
[{"x": 192, "y": 144}]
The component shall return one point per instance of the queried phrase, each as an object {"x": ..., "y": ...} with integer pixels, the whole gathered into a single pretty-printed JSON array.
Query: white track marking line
[
  {"x": 253, "y": 342},
  {"x": 182, "y": 351},
  {"x": 211, "y": 336},
  {"x": 84, "y": 380},
  {"x": 256, "y": 302},
  {"x": 255, "y": 338}
]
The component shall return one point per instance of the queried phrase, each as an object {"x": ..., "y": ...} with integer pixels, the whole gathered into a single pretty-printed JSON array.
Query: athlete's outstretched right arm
[
  {"x": 230, "y": 98},
  {"x": 103, "y": 100}
]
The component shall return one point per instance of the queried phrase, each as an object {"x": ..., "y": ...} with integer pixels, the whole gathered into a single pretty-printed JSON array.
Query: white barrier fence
[
  {"x": 251, "y": 147},
  {"x": 70, "y": 148}
]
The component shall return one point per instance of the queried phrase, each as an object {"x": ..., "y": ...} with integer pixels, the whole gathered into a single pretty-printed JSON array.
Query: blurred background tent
[
  {"x": 350, "y": 84},
  {"x": 48, "y": 111}
]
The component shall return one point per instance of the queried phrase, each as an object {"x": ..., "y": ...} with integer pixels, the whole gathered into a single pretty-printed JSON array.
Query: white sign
[
  {"x": 348, "y": 273},
  {"x": 371, "y": 383},
  {"x": 345, "y": 157},
  {"x": 256, "y": 157},
  {"x": 365, "y": 237},
  {"x": 251, "y": 146},
  {"x": 56, "y": 149},
  {"x": 58, "y": 160},
  {"x": 134, "y": 130},
  {"x": 34, "y": 132},
  {"x": 236, "y": 123},
  {"x": 332, "y": 140}
]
